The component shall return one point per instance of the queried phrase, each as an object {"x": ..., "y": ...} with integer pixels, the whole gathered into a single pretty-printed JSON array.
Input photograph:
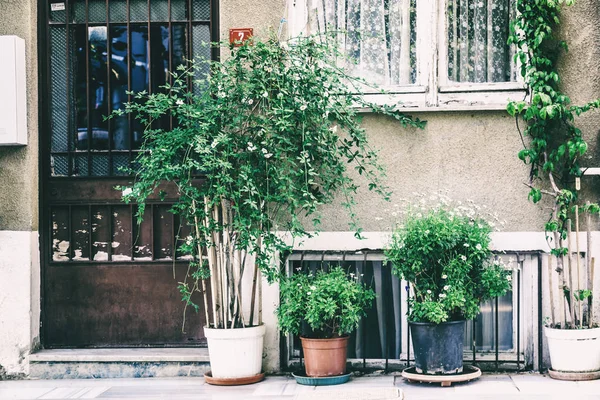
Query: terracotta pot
[{"x": 325, "y": 357}]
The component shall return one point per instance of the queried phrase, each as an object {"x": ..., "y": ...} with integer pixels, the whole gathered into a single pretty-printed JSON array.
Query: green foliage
[
  {"x": 268, "y": 139},
  {"x": 557, "y": 145},
  {"x": 444, "y": 254},
  {"x": 331, "y": 303}
]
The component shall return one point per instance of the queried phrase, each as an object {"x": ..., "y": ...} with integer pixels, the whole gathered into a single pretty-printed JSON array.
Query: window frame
[{"x": 432, "y": 90}]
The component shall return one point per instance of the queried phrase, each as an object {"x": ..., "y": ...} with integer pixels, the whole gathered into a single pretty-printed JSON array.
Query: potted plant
[
  {"x": 332, "y": 304},
  {"x": 262, "y": 142},
  {"x": 443, "y": 252},
  {"x": 572, "y": 334}
]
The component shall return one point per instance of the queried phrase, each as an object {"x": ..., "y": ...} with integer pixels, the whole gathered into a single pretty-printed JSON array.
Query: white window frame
[{"x": 432, "y": 89}]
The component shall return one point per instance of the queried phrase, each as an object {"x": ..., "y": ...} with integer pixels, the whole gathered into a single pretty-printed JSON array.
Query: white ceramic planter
[
  {"x": 573, "y": 350},
  {"x": 235, "y": 353}
]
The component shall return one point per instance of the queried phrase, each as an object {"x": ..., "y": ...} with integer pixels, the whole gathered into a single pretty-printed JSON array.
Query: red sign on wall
[{"x": 237, "y": 36}]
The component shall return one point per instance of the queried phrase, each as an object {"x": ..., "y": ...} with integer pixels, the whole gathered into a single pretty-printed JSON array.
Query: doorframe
[{"x": 44, "y": 130}]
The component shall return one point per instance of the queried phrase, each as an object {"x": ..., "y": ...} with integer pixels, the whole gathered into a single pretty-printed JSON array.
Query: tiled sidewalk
[{"x": 488, "y": 387}]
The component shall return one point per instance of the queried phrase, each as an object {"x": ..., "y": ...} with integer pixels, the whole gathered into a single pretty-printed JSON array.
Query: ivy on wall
[{"x": 556, "y": 144}]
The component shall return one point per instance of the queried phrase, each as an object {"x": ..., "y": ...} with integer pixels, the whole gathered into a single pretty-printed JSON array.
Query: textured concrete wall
[
  {"x": 19, "y": 165},
  {"x": 19, "y": 256}
]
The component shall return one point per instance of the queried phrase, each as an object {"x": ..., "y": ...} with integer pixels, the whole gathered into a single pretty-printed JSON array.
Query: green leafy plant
[
  {"x": 264, "y": 140},
  {"x": 444, "y": 254},
  {"x": 331, "y": 303},
  {"x": 556, "y": 144}
]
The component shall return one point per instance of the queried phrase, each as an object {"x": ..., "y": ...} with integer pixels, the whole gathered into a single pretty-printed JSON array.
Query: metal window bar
[{"x": 364, "y": 262}]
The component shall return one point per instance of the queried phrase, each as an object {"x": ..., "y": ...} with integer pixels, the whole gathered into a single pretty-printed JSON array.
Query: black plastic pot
[{"x": 438, "y": 348}]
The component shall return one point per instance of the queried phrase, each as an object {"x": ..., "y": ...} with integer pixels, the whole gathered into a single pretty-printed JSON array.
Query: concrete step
[{"x": 118, "y": 363}]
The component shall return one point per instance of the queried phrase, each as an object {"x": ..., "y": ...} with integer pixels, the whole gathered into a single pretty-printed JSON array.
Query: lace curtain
[
  {"x": 477, "y": 34},
  {"x": 380, "y": 39}
]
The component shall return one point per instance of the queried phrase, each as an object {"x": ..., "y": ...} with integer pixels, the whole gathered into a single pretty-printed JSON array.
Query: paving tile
[
  {"x": 539, "y": 384},
  {"x": 19, "y": 392}
]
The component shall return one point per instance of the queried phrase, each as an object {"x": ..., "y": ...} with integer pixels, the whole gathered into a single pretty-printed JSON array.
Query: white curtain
[
  {"x": 477, "y": 34},
  {"x": 379, "y": 39}
]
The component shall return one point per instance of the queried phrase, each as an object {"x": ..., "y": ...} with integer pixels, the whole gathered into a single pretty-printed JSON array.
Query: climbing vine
[{"x": 556, "y": 145}]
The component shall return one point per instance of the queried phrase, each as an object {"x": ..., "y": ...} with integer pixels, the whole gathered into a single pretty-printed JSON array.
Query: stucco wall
[{"x": 19, "y": 256}]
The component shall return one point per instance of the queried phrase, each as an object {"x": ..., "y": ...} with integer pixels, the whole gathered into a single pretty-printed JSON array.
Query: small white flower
[
  {"x": 250, "y": 101},
  {"x": 313, "y": 288},
  {"x": 442, "y": 295},
  {"x": 127, "y": 191},
  {"x": 280, "y": 95},
  {"x": 265, "y": 95},
  {"x": 251, "y": 146},
  {"x": 428, "y": 291},
  {"x": 464, "y": 258},
  {"x": 303, "y": 107},
  {"x": 478, "y": 247},
  {"x": 509, "y": 278},
  {"x": 179, "y": 102},
  {"x": 188, "y": 240},
  {"x": 446, "y": 287},
  {"x": 308, "y": 293},
  {"x": 221, "y": 94},
  {"x": 444, "y": 276},
  {"x": 426, "y": 232},
  {"x": 299, "y": 285},
  {"x": 466, "y": 245},
  {"x": 268, "y": 155}
]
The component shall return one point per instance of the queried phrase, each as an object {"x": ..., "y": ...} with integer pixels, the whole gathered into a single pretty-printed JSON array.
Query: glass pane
[
  {"x": 119, "y": 75},
  {"x": 80, "y": 165},
  {"x": 100, "y": 165},
  {"x": 120, "y": 161},
  {"x": 118, "y": 10},
  {"x": 201, "y": 10},
  {"x": 381, "y": 37},
  {"x": 58, "y": 15},
  {"x": 60, "y": 165},
  {"x": 60, "y": 234},
  {"x": 100, "y": 233},
  {"x": 159, "y": 11},
  {"x": 142, "y": 234},
  {"x": 58, "y": 56},
  {"x": 179, "y": 10},
  {"x": 201, "y": 47},
  {"x": 477, "y": 36},
  {"x": 91, "y": 88},
  {"x": 485, "y": 326},
  {"x": 164, "y": 233},
  {"x": 138, "y": 10},
  {"x": 121, "y": 235},
  {"x": 81, "y": 237}
]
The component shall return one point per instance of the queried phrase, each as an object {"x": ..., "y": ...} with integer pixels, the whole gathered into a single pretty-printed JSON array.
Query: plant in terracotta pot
[
  {"x": 443, "y": 252},
  {"x": 255, "y": 149},
  {"x": 331, "y": 304}
]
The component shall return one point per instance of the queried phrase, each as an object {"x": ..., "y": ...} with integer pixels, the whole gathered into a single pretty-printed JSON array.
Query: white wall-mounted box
[{"x": 13, "y": 92}]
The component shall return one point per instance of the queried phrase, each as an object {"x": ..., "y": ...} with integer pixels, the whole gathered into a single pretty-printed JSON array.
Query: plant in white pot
[
  {"x": 332, "y": 304},
  {"x": 265, "y": 140},
  {"x": 554, "y": 155},
  {"x": 443, "y": 252}
]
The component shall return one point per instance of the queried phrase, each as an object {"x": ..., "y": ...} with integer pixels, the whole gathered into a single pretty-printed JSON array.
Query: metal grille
[
  {"x": 94, "y": 62},
  {"x": 500, "y": 338}
]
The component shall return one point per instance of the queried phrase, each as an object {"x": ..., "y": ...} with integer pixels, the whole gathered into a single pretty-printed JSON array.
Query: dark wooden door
[{"x": 106, "y": 280}]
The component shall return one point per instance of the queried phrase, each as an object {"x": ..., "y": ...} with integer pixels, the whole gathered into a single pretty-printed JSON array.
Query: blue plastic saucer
[{"x": 321, "y": 380}]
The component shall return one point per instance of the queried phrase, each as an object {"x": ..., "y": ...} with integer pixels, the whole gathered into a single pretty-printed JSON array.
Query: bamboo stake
[
  {"x": 219, "y": 268},
  {"x": 588, "y": 260},
  {"x": 578, "y": 265},
  {"x": 212, "y": 261},
  {"x": 570, "y": 258},
  {"x": 204, "y": 294},
  {"x": 560, "y": 269},
  {"x": 591, "y": 310},
  {"x": 549, "y": 262},
  {"x": 254, "y": 284}
]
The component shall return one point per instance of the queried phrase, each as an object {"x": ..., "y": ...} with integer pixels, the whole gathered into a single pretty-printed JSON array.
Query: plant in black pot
[
  {"x": 443, "y": 252},
  {"x": 332, "y": 304}
]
